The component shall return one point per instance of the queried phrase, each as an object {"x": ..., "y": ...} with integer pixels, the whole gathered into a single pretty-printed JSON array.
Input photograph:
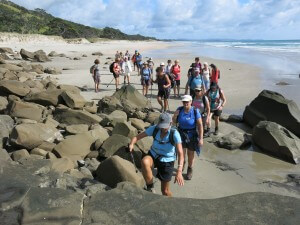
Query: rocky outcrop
[
  {"x": 125, "y": 129},
  {"x": 113, "y": 144},
  {"x": 6, "y": 126},
  {"x": 73, "y": 100},
  {"x": 234, "y": 140},
  {"x": 278, "y": 141},
  {"x": 39, "y": 56},
  {"x": 273, "y": 107},
  {"x": 46, "y": 98},
  {"x": 14, "y": 87}
]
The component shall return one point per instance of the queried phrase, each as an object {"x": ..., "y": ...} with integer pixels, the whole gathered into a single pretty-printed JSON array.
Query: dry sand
[{"x": 217, "y": 172}]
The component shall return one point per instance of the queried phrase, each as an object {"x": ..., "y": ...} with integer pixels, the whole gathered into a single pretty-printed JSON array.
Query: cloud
[{"x": 197, "y": 19}]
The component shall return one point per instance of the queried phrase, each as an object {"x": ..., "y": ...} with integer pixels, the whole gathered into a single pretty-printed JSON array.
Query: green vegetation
[{"x": 14, "y": 18}]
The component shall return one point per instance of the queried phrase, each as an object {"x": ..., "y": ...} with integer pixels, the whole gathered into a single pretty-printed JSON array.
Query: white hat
[
  {"x": 162, "y": 63},
  {"x": 198, "y": 88},
  {"x": 186, "y": 98},
  {"x": 205, "y": 63}
]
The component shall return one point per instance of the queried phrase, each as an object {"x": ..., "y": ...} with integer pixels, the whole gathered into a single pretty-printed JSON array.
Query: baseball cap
[
  {"x": 164, "y": 120},
  {"x": 198, "y": 88},
  {"x": 186, "y": 98},
  {"x": 162, "y": 63}
]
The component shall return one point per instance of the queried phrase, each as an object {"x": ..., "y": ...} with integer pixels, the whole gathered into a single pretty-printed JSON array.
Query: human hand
[
  {"x": 130, "y": 147},
  {"x": 179, "y": 178},
  {"x": 200, "y": 142}
]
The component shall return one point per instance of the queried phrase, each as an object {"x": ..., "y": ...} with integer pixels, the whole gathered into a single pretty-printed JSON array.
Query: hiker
[
  {"x": 194, "y": 81},
  {"x": 206, "y": 75},
  {"x": 198, "y": 63},
  {"x": 215, "y": 74},
  {"x": 95, "y": 70},
  {"x": 201, "y": 102},
  {"x": 139, "y": 62},
  {"x": 117, "y": 55},
  {"x": 133, "y": 59},
  {"x": 164, "y": 85},
  {"x": 126, "y": 70},
  {"x": 168, "y": 72},
  {"x": 145, "y": 78},
  {"x": 162, "y": 154},
  {"x": 190, "y": 128},
  {"x": 151, "y": 64},
  {"x": 217, "y": 101},
  {"x": 162, "y": 65},
  {"x": 175, "y": 70},
  {"x": 127, "y": 55},
  {"x": 117, "y": 72},
  {"x": 191, "y": 70}
]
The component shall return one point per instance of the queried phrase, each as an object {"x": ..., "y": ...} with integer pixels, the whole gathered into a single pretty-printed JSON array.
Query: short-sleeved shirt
[
  {"x": 194, "y": 82},
  {"x": 96, "y": 70},
  {"x": 117, "y": 68},
  {"x": 162, "y": 147},
  {"x": 176, "y": 71},
  {"x": 146, "y": 73},
  {"x": 187, "y": 121}
]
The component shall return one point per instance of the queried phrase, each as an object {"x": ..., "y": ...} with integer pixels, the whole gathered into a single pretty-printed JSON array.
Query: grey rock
[
  {"x": 145, "y": 144},
  {"x": 37, "y": 68},
  {"x": 234, "y": 140},
  {"x": 20, "y": 154},
  {"x": 69, "y": 88},
  {"x": 46, "y": 98},
  {"x": 47, "y": 146},
  {"x": 125, "y": 129},
  {"x": 77, "y": 129},
  {"x": 93, "y": 154},
  {"x": 115, "y": 170},
  {"x": 6, "y": 50},
  {"x": 61, "y": 165},
  {"x": 38, "y": 151},
  {"x": 113, "y": 144},
  {"x": 108, "y": 104},
  {"x": 97, "y": 53},
  {"x": 272, "y": 106},
  {"x": 231, "y": 118},
  {"x": 4, "y": 156},
  {"x": 27, "y": 55},
  {"x": 3, "y": 104},
  {"x": 6, "y": 126},
  {"x": 92, "y": 164},
  {"x": 153, "y": 117},
  {"x": 52, "y": 70},
  {"x": 11, "y": 67},
  {"x": 14, "y": 87},
  {"x": 73, "y": 100},
  {"x": 278, "y": 141},
  {"x": 25, "y": 110},
  {"x": 137, "y": 123},
  {"x": 40, "y": 56}
]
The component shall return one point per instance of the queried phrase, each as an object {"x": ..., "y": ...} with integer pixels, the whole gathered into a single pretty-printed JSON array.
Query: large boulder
[
  {"x": 77, "y": 128},
  {"x": 3, "y": 104},
  {"x": 6, "y": 126},
  {"x": 77, "y": 145},
  {"x": 26, "y": 54},
  {"x": 46, "y": 98},
  {"x": 278, "y": 141},
  {"x": 14, "y": 87},
  {"x": 73, "y": 100},
  {"x": 145, "y": 144},
  {"x": 11, "y": 67},
  {"x": 69, "y": 88},
  {"x": 115, "y": 170},
  {"x": 152, "y": 117},
  {"x": 30, "y": 136},
  {"x": 52, "y": 70},
  {"x": 71, "y": 117},
  {"x": 115, "y": 117},
  {"x": 272, "y": 106},
  {"x": 108, "y": 104},
  {"x": 41, "y": 56},
  {"x": 25, "y": 110},
  {"x": 6, "y": 50},
  {"x": 234, "y": 140},
  {"x": 138, "y": 124},
  {"x": 113, "y": 144},
  {"x": 125, "y": 129}
]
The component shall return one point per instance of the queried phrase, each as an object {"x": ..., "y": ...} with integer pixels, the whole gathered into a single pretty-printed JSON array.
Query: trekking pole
[
  {"x": 110, "y": 82},
  {"x": 132, "y": 159}
]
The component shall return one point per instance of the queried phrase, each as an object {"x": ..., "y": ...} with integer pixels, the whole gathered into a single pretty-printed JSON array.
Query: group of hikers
[{"x": 182, "y": 135}]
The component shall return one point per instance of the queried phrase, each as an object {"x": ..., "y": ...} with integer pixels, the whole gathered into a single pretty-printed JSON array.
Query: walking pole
[
  {"x": 110, "y": 82},
  {"x": 132, "y": 159}
]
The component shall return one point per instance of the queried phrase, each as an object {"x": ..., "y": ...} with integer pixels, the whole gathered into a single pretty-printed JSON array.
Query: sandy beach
[{"x": 218, "y": 172}]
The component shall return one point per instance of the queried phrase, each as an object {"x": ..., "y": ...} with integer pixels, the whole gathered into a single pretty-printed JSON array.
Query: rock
[
  {"x": 20, "y": 154},
  {"x": 11, "y": 67},
  {"x": 93, "y": 154},
  {"x": 72, "y": 117},
  {"x": 81, "y": 173},
  {"x": 38, "y": 151},
  {"x": 113, "y": 144},
  {"x": 76, "y": 58},
  {"x": 6, "y": 50},
  {"x": 6, "y": 126},
  {"x": 23, "y": 76},
  {"x": 97, "y": 53},
  {"x": 234, "y": 140},
  {"x": 145, "y": 144},
  {"x": 136, "y": 153},
  {"x": 34, "y": 84},
  {"x": 46, "y": 98},
  {"x": 294, "y": 178},
  {"x": 77, "y": 129},
  {"x": 133, "y": 96},
  {"x": 140, "y": 115},
  {"x": 84, "y": 55},
  {"x": 37, "y": 68},
  {"x": 53, "y": 54},
  {"x": 92, "y": 164},
  {"x": 62, "y": 165},
  {"x": 278, "y": 141},
  {"x": 72, "y": 100},
  {"x": 153, "y": 117},
  {"x": 14, "y": 87},
  {"x": 3, "y": 104},
  {"x": 50, "y": 156},
  {"x": 77, "y": 145},
  {"x": 27, "y": 121},
  {"x": 47, "y": 146},
  {"x": 69, "y": 88},
  {"x": 51, "y": 122},
  {"x": 115, "y": 170},
  {"x": 30, "y": 136},
  {"x": 137, "y": 123},
  {"x": 27, "y": 55},
  {"x": 4, "y": 57},
  {"x": 41, "y": 56},
  {"x": 10, "y": 76},
  {"x": 25, "y": 110},
  {"x": 282, "y": 83},
  {"x": 108, "y": 104},
  {"x": 125, "y": 129},
  {"x": 52, "y": 70},
  {"x": 115, "y": 117},
  {"x": 273, "y": 107},
  {"x": 231, "y": 118},
  {"x": 4, "y": 156}
]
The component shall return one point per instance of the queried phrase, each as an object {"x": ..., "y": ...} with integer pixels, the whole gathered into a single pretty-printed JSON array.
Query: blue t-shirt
[
  {"x": 146, "y": 72},
  {"x": 194, "y": 82},
  {"x": 187, "y": 121},
  {"x": 162, "y": 147},
  {"x": 139, "y": 59}
]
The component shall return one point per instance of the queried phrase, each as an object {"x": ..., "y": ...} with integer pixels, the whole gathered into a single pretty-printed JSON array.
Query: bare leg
[
  {"x": 159, "y": 101},
  {"x": 174, "y": 90},
  {"x": 147, "y": 164},
  {"x": 165, "y": 188},
  {"x": 147, "y": 88},
  {"x": 191, "y": 158},
  {"x": 165, "y": 104},
  {"x": 217, "y": 120},
  {"x": 178, "y": 90}
]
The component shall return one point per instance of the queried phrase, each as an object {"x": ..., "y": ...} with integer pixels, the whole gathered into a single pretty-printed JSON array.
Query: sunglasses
[{"x": 198, "y": 90}]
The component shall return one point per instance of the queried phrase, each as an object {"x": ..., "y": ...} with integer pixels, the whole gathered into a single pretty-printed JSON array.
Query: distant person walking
[
  {"x": 117, "y": 72},
  {"x": 198, "y": 64},
  {"x": 133, "y": 59},
  {"x": 206, "y": 75},
  {"x": 189, "y": 122},
  {"x": 151, "y": 65},
  {"x": 139, "y": 61},
  {"x": 162, "y": 65},
  {"x": 145, "y": 78},
  {"x": 164, "y": 85},
  {"x": 215, "y": 74},
  {"x": 126, "y": 70},
  {"x": 217, "y": 101},
  {"x": 95, "y": 70},
  {"x": 194, "y": 81},
  {"x": 127, "y": 55},
  {"x": 162, "y": 154},
  {"x": 168, "y": 72},
  {"x": 175, "y": 70}
]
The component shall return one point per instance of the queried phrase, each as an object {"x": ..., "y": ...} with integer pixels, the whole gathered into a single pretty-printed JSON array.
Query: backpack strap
[
  {"x": 180, "y": 109},
  {"x": 155, "y": 132},
  {"x": 171, "y": 136}
]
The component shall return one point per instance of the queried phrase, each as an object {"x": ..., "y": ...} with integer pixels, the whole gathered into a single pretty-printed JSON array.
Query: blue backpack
[{"x": 147, "y": 76}]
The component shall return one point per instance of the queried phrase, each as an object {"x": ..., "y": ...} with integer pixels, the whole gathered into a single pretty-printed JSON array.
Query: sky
[{"x": 183, "y": 19}]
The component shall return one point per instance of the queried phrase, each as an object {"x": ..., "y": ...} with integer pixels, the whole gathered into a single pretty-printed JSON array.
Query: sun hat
[
  {"x": 162, "y": 63},
  {"x": 205, "y": 63},
  {"x": 186, "y": 98},
  {"x": 199, "y": 88},
  {"x": 164, "y": 120}
]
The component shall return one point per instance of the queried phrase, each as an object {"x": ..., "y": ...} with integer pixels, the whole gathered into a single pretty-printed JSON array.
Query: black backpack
[
  {"x": 111, "y": 67},
  {"x": 92, "y": 69},
  {"x": 171, "y": 136}
]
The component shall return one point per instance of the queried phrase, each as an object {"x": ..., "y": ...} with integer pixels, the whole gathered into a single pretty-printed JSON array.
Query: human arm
[
  {"x": 208, "y": 109},
  {"x": 200, "y": 131},
  {"x": 174, "y": 118},
  {"x": 178, "y": 177},
  {"x": 168, "y": 82},
  {"x": 223, "y": 98},
  {"x": 135, "y": 139}
]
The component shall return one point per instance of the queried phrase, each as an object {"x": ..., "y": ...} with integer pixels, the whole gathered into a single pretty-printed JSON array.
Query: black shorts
[
  {"x": 135, "y": 64},
  {"x": 177, "y": 82},
  {"x": 164, "y": 93},
  {"x": 116, "y": 75},
  {"x": 164, "y": 169},
  {"x": 189, "y": 143},
  {"x": 217, "y": 112}
]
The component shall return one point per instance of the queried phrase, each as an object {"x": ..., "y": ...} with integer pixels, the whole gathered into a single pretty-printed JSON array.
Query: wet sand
[{"x": 217, "y": 172}]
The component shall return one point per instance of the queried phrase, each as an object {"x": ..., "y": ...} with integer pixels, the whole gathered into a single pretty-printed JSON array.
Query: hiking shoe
[
  {"x": 216, "y": 131},
  {"x": 189, "y": 174},
  {"x": 150, "y": 189},
  {"x": 206, "y": 134}
]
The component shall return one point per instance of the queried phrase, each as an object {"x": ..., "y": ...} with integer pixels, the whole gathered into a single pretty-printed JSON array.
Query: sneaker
[{"x": 189, "y": 174}]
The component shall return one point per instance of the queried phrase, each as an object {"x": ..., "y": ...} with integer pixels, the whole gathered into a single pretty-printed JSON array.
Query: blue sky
[{"x": 190, "y": 19}]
